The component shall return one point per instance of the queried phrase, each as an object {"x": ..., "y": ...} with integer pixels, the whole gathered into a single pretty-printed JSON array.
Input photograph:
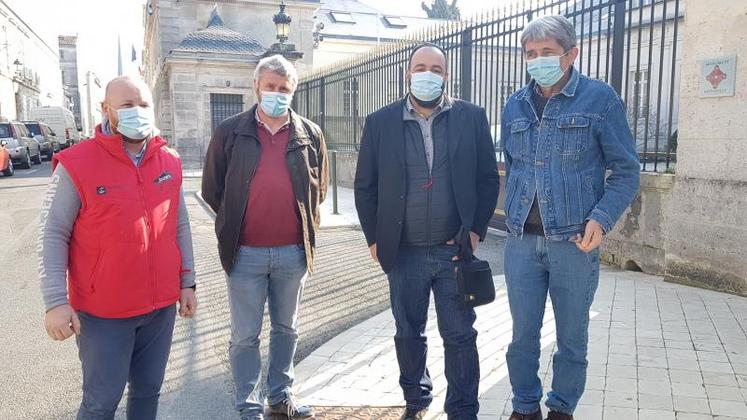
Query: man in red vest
[{"x": 115, "y": 254}]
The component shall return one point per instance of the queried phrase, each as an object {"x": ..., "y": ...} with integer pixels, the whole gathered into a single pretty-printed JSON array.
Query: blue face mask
[
  {"x": 136, "y": 123},
  {"x": 426, "y": 86},
  {"x": 275, "y": 104},
  {"x": 546, "y": 71}
]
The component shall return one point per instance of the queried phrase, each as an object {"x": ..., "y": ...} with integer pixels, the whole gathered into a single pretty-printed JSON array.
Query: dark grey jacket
[
  {"x": 431, "y": 216},
  {"x": 381, "y": 182}
]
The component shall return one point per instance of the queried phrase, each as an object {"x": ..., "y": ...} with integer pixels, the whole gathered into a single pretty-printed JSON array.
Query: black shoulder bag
[{"x": 473, "y": 275}]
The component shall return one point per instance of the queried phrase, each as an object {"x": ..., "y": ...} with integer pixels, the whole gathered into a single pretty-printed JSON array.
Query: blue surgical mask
[
  {"x": 275, "y": 104},
  {"x": 136, "y": 123},
  {"x": 426, "y": 86},
  {"x": 546, "y": 70}
]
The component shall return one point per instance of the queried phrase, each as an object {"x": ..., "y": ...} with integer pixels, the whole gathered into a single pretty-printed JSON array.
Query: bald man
[
  {"x": 426, "y": 186},
  {"x": 115, "y": 254}
]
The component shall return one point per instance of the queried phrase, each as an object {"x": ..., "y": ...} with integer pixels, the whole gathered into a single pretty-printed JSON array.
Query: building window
[
  {"x": 342, "y": 17},
  {"x": 640, "y": 85},
  {"x": 395, "y": 21},
  {"x": 223, "y": 106},
  {"x": 349, "y": 96}
]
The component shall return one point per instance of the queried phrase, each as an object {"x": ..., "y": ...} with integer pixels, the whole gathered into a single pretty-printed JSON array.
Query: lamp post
[
  {"x": 18, "y": 65},
  {"x": 282, "y": 30},
  {"x": 282, "y": 24}
]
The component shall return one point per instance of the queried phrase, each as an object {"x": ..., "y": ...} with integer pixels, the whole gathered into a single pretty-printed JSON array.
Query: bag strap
[{"x": 466, "y": 253}]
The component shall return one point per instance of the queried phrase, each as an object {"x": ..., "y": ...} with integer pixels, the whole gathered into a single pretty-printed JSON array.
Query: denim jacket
[{"x": 564, "y": 159}]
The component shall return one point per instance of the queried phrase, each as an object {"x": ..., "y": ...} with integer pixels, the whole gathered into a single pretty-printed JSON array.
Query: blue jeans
[
  {"x": 535, "y": 266},
  {"x": 114, "y": 352},
  {"x": 276, "y": 276},
  {"x": 418, "y": 271}
]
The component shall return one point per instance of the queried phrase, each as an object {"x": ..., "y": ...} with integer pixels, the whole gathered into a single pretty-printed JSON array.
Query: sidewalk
[{"x": 657, "y": 351}]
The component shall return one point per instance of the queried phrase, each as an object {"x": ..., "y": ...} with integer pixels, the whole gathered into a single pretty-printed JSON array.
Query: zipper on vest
[{"x": 149, "y": 249}]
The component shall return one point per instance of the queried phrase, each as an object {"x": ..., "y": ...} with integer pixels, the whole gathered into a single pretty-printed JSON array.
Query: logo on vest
[
  {"x": 163, "y": 177},
  {"x": 101, "y": 190}
]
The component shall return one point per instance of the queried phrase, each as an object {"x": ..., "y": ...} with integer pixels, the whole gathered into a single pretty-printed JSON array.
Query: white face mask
[
  {"x": 546, "y": 71},
  {"x": 275, "y": 104},
  {"x": 136, "y": 122}
]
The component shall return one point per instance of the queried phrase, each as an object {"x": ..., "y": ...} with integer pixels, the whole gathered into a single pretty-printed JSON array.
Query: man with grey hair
[
  {"x": 265, "y": 176},
  {"x": 561, "y": 134}
]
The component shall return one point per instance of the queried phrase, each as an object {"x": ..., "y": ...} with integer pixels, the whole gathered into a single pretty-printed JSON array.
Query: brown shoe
[
  {"x": 556, "y": 415},
  {"x": 413, "y": 414},
  {"x": 537, "y": 415}
]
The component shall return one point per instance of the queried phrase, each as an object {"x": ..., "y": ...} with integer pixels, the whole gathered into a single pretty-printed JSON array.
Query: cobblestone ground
[
  {"x": 657, "y": 351},
  {"x": 345, "y": 289}
]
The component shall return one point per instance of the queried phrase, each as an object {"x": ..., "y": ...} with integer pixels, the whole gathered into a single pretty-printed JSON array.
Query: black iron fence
[{"x": 635, "y": 45}]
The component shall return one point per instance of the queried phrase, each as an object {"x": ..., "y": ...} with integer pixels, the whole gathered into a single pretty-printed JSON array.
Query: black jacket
[
  {"x": 380, "y": 180},
  {"x": 230, "y": 162}
]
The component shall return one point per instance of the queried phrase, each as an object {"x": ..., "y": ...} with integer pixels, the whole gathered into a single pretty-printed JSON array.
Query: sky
[
  {"x": 98, "y": 23},
  {"x": 467, "y": 8}
]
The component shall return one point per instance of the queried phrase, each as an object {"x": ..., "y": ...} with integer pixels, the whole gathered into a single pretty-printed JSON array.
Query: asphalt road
[{"x": 41, "y": 378}]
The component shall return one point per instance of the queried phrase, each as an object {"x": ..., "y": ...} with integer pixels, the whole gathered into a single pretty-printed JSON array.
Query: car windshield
[
  {"x": 34, "y": 128},
  {"x": 5, "y": 130}
]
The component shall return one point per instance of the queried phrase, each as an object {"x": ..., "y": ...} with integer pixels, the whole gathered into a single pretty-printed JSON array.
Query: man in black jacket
[
  {"x": 265, "y": 176},
  {"x": 426, "y": 170}
]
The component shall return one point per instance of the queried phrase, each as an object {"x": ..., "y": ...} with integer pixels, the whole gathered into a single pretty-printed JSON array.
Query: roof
[
  {"x": 353, "y": 19},
  {"x": 217, "y": 38}
]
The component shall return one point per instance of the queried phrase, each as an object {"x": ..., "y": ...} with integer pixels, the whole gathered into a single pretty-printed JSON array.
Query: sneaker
[
  {"x": 291, "y": 408},
  {"x": 537, "y": 415},
  {"x": 556, "y": 415},
  {"x": 413, "y": 414}
]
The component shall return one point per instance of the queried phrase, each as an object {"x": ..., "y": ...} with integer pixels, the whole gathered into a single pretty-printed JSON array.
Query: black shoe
[
  {"x": 556, "y": 415},
  {"x": 291, "y": 408},
  {"x": 537, "y": 415},
  {"x": 414, "y": 414}
]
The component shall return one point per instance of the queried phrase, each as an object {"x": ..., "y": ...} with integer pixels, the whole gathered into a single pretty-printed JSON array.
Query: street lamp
[
  {"x": 282, "y": 23},
  {"x": 282, "y": 28},
  {"x": 18, "y": 65}
]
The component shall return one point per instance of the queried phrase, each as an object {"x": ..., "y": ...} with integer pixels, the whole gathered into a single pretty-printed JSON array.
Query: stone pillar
[{"x": 706, "y": 219}]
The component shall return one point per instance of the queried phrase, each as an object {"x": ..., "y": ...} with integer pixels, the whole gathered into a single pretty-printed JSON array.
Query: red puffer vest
[{"x": 123, "y": 257}]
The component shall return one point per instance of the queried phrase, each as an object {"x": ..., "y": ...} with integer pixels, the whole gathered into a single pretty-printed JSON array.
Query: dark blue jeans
[
  {"x": 114, "y": 352},
  {"x": 418, "y": 271},
  {"x": 536, "y": 267}
]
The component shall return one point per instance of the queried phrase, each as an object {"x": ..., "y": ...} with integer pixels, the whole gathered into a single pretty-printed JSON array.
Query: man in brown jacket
[{"x": 265, "y": 176}]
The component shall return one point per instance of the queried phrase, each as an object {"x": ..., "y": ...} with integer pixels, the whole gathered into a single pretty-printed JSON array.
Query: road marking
[{"x": 28, "y": 171}]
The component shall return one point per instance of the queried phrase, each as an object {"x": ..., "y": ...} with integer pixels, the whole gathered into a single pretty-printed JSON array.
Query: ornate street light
[
  {"x": 282, "y": 28},
  {"x": 282, "y": 23}
]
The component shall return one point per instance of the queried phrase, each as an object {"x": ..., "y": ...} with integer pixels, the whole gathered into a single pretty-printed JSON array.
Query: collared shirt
[
  {"x": 272, "y": 216},
  {"x": 262, "y": 124},
  {"x": 426, "y": 124},
  {"x": 137, "y": 158}
]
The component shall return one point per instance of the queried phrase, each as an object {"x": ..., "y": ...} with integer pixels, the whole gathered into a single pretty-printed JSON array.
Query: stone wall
[
  {"x": 176, "y": 19},
  {"x": 637, "y": 242},
  {"x": 692, "y": 228},
  {"x": 706, "y": 219},
  {"x": 190, "y": 86}
]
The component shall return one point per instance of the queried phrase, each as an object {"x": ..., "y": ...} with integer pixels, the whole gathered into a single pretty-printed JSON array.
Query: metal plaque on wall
[{"x": 717, "y": 77}]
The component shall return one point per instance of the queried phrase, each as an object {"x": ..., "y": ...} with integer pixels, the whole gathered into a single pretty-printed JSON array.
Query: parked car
[
  {"x": 6, "y": 163},
  {"x": 44, "y": 135},
  {"x": 24, "y": 150},
  {"x": 61, "y": 121}
]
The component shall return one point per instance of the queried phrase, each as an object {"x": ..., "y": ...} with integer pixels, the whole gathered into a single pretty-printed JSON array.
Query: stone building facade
[
  {"x": 29, "y": 68},
  {"x": 68, "y": 45},
  {"x": 200, "y": 57}
]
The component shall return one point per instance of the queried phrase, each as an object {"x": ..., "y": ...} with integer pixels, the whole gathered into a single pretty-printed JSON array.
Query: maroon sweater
[{"x": 272, "y": 217}]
